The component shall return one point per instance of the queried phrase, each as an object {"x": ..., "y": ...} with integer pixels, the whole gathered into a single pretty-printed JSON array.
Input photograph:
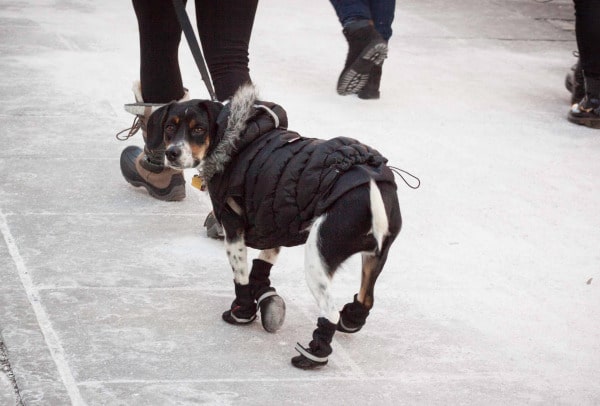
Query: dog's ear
[
  {"x": 212, "y": 111},
  {"x": 154, "y": 127}
]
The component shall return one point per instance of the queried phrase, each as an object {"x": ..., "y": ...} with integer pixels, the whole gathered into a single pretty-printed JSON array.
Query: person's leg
[
  {"x": 382, "y": 13},
  {"x": 225, "y": 27},
  {"x": 587, "y": 32},
  {"x": 349, "y": 11},
  {"x": 160, "y": 82},
  {"x": 366, "y": 48},
  {"x": 160, "y": 35}
]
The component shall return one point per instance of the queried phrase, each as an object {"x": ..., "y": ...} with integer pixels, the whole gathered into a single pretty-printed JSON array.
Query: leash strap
[{"x": 186, "y": 26}]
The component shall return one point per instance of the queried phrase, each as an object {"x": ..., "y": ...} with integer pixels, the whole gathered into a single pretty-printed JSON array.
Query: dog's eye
[
  {"x": 198, "y": 131},
  {"x": 169, "y": 128}
]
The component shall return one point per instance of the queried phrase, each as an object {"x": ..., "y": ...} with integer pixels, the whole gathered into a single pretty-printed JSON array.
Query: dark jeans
[
  {"x": 587, "y": 31},
  {"x": 224, "y": 27},
  {"x": 380, "y": 11}
]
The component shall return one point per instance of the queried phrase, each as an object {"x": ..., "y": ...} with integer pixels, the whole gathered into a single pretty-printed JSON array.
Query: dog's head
[{"x": 187, "y": 130}]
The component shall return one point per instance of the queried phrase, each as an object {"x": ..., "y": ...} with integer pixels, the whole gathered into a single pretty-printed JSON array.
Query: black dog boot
[
  {"x": 587, "y": 111},
  {"x": 243, "y": 308},
  {"x": 352, "y": 317},
  {"x": 271, "y": 305},
  {"x": 366, "y": 49},
  {"x": 371, "y": 89},
  {"x": 317, "y": 353}
]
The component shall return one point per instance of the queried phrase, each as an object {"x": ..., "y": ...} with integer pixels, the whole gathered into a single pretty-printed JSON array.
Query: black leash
[{"x": 186, "y": 26}]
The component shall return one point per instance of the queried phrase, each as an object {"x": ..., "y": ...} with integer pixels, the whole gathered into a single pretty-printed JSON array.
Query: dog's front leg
[{"x": 243, "y": 308}]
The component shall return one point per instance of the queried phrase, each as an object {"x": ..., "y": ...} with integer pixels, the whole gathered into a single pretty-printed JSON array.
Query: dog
[{"x": 270, "y": 187}]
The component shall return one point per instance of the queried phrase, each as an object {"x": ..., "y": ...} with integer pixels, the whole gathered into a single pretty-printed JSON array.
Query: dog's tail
[{"x": 380, "y": 224}]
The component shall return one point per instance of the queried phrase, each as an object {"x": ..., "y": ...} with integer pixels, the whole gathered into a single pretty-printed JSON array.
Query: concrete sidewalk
[{"x": 108, "y": 297}]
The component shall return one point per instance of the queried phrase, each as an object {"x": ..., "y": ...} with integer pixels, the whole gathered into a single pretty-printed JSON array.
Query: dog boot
[
  {"x": 575, "y": 84},
  {"x": 243, "y": 308},
  {"x": 352, "y": 317},
  {"x": 371, "y": 89},
  {"x": 317, "y": 353},
  {"x": 587, "y": 111},
  {"x": 366, "y": 48},
  {"x": 146, "y": 167},
  {"x": 271, "y": 305}
]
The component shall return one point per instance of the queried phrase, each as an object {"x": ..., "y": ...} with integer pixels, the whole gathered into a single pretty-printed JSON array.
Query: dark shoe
[
  {"x": 243, "y": 308},
  {"x": 366, "y": 49},
  {"x": 352, "y": 317},
  {"x": 586, "y": 112},
  {"x": 237, "y": 316},
  {"x": 574, "y": 83},
  {"x": 319, "y": 349},
  {"x": 213, "y": 228},
  {"x": 272, "y": 309},
  {"x": 371, "y": 89},
  {"x": 161, "y": 182}
]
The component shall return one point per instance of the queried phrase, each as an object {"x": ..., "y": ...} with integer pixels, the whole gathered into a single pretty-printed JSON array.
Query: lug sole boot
[{"x": 366, "y": 49}]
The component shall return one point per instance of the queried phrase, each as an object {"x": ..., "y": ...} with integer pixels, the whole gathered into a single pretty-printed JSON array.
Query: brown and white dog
[{"x": 271, "y": 187}]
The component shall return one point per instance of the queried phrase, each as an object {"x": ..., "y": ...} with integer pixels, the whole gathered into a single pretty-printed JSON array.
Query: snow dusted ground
[{"x": 491, "y": 294}]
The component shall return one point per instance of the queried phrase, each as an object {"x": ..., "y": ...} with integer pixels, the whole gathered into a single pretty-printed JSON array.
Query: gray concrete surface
[{"x": 108, "y": 297}]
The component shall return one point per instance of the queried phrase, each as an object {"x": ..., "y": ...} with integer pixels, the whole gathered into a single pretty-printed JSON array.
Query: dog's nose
[{"x": 172, "y": 153}]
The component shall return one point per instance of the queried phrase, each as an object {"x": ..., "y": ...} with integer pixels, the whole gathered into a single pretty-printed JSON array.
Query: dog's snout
[{"x": 173, "y": 153}]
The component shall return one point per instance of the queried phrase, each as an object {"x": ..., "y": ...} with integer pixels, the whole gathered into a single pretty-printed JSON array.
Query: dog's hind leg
[
  {"x": 271, "y": 305},
  {"x": 319, "y": 283},
  {"x": 385, "y": 211}
]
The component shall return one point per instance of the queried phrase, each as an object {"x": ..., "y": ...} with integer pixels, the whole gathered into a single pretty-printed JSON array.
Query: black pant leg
[
  {"x": 587, "y": 31},
  {"x": 160, "y": 35},
  {"x": 225, "y": 27}
]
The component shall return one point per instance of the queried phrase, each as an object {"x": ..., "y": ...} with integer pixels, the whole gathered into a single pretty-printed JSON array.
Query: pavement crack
[{"x": 7, "y": 370}]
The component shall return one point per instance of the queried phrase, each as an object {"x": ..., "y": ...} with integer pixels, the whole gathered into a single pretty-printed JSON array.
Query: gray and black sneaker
[
  {"x": 161, "y": 182},
  {"x": 366, "y": 49},
  {"x": 586, "y": 112}
]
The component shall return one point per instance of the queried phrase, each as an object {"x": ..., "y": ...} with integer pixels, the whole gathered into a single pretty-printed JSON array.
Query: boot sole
[
  {"x": 588, "y": 122},
  {"x": 355, "y": 77}
]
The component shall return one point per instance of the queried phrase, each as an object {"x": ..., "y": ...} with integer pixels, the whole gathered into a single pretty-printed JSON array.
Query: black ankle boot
[
  {"x": 243, "y": 308},
  {"x": 366, "y": 49},
  {"x": 316, "y": 355},
  {"x": 352, "y": 317},
  {"x": 587, "y": 111},
  {"x": 271, "y": 305}
]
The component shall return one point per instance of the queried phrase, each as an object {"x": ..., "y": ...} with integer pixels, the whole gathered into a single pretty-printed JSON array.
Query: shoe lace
[{"x": 131, "y": 131}]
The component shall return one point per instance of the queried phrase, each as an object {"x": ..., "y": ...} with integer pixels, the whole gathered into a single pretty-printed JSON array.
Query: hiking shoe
[
  {"x": 161, "y": 182},
  {"x": 586, "y": 112},
  {"x": 366, "y": 49}
]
